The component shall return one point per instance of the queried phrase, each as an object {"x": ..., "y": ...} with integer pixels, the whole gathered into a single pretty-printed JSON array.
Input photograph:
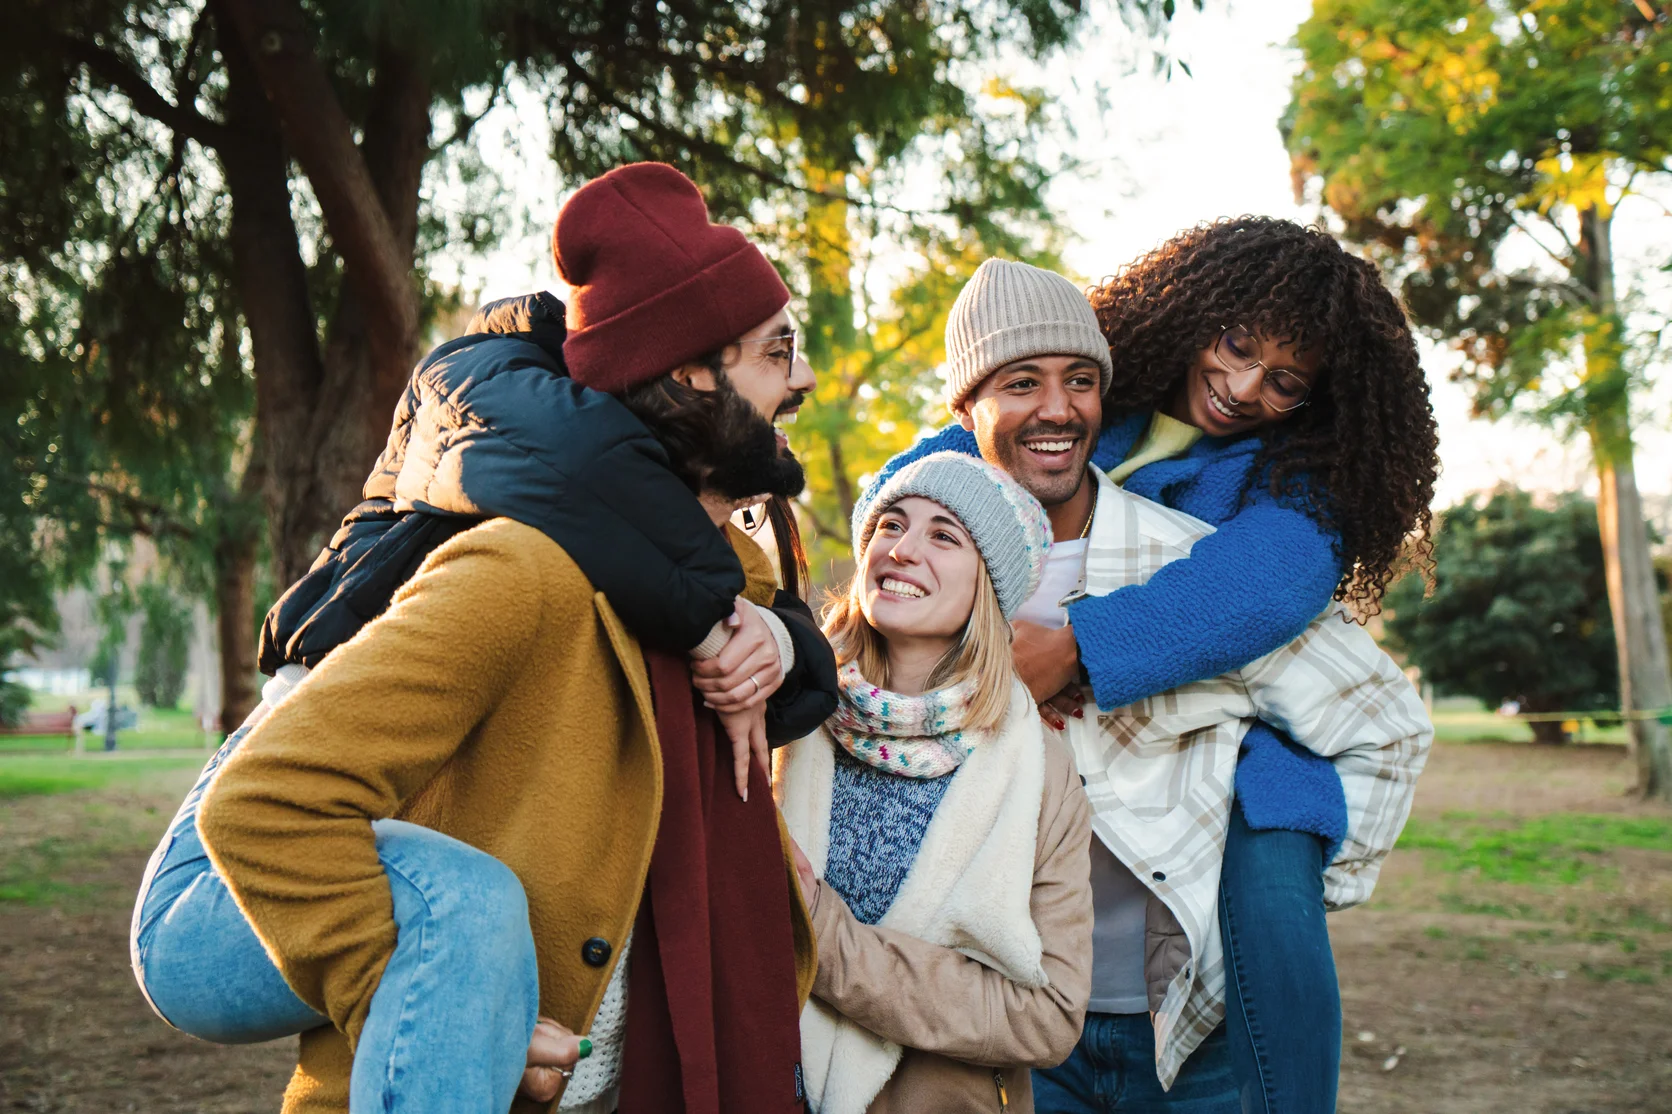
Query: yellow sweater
[
  {"x": 499, "y": 700},
  {"x": 1165, "y": 437}
]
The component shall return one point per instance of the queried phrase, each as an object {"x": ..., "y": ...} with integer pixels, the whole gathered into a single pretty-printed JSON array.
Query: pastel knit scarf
[{"x": 911, "y": 736}]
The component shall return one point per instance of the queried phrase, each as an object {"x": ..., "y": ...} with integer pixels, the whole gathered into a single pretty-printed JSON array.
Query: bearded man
[{"x": 434, "y": 853}]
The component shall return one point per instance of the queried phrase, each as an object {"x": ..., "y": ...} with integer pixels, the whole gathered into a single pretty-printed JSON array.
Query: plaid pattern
[{"x": 1159, "y": 773}]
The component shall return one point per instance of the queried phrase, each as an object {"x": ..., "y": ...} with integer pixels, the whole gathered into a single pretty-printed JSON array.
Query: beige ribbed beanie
[{"x": 1010, "y": 311}]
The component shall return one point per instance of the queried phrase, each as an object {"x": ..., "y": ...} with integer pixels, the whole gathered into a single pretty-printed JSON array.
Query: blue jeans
[
  {"x": 1113, "y": 1069},
  {"x": 449, "y": 1024},
  {"x": 1282, "y": 999}
]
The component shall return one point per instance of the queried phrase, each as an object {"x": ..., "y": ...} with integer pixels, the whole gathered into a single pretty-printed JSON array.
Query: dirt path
[
  {"x": 1489, "y": 997},
  {"x": 1560, "y": 1007},
  {"x": 75, "y": 1033}
]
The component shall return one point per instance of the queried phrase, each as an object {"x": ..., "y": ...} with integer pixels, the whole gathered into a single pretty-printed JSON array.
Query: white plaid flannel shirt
[{"x": 1159, "y": 772}]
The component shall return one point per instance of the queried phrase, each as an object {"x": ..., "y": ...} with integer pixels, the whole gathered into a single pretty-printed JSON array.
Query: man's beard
[
  {"x": 1050, "y": 488},
  {"x": 746, "y": 446}
]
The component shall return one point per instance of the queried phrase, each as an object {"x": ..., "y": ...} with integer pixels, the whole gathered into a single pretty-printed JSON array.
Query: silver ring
[
  {"x": 567, "y": 1073},
  {"x": 757, "y": 685}
]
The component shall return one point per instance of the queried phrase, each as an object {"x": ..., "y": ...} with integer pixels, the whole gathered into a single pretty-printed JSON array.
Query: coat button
[
  {"x": 1160, "y": 876},
  {"x": 596, "y": 951}
]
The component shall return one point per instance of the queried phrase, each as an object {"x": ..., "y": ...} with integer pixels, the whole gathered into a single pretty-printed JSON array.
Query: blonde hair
[{"x": 982, "y": 654}]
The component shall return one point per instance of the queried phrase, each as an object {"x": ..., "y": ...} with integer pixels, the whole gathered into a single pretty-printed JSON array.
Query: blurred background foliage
[
  {"x": 1479, "y": 153},
  {"x": 1519, "y": 609},
  {"x": 201, "y": 345}
]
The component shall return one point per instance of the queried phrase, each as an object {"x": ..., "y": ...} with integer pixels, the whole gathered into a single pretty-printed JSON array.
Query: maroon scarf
[{"x": 713, "y": 1025}]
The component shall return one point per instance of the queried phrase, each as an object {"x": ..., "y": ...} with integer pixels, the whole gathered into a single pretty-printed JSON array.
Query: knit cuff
[
  {"x": 780, "y": 634},
  {"x": 720, "y": 634},
  {"x": 715, "y": 641}
]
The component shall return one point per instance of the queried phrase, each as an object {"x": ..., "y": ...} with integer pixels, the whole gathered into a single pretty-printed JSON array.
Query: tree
[
  {"x": 875, "y": 328},
  {"x": 1519, "y": 609},
  {"x": 1480, "y": 152},
  {"x": 112, "y": 609},
  {"x": 169, "y": 138},
  {"x": 1663, "y": 573},
  {"x": 164, "y": 646},
  {"x": 27, "y": 616}
]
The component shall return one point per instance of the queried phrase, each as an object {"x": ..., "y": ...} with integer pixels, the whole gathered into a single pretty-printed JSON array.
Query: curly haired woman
[{"x": 1266, "y": 382}]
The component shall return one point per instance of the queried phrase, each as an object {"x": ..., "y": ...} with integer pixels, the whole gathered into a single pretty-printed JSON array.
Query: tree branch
[
  {"x": 1556, "y": 227},
  {"x": 109, "y": 68},
  {"x": 719, "y": 154},
  {"x": 465, "y": 122},
  {"x": 1570, "y": 284},
  {"x": 144, "y": 517},
  {"x": 321, "y": 136},
  {"x": 877, "y": 358},
  {"x": 819, "y": 524}
]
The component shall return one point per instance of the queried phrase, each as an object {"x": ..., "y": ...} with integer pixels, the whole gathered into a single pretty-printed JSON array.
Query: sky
[{"x": 1147, "y": 172}]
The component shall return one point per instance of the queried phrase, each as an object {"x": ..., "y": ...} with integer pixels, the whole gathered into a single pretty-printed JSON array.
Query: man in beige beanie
[{"x": 1026, "y": 368}]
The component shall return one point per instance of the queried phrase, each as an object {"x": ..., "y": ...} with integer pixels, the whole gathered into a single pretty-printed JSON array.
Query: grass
[
  {"x": 32, "y": 775},
  {"x": 1578, "y": 906},
  {"x": 67, "y": 824},
  {"x": 1555, "y": 849},
  {"x": 1460, "y": 720},
  {"x": 158, "y": 729},
  {"x": 71, "y": 860},
  {"x": 33, "y": 874}
]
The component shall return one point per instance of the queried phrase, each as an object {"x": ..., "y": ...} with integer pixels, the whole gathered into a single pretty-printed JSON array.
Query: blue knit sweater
[
  {"x": 877, "y": 824},
  {"x": 1247, "y": 589}
]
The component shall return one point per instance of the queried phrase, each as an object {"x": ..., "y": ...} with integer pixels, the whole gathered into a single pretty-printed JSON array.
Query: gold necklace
[{"x": 1086, "y": 532}]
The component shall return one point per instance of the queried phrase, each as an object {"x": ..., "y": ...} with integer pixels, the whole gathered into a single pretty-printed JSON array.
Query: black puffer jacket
[{"x": 492, "y": 426}]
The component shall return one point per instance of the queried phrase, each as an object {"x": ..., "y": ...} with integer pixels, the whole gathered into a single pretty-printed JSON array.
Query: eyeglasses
[
  {"x": 779, "y": 338},
  {"x": 1280, "y": 389}
]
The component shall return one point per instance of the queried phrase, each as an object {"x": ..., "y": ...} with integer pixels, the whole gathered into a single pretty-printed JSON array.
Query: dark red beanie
[{"x": 653, "y": 283}]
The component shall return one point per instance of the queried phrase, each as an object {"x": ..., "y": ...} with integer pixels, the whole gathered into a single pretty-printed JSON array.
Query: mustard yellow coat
[{"x": 499, "y": 700}]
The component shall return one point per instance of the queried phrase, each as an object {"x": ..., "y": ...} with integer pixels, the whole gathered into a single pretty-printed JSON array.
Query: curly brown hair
[{"x": 1362, "y": 456}]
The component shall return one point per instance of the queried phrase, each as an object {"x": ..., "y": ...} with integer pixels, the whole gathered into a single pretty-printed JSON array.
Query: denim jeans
[
  {"x": 1113, "y": 1069},
  {"x": 449, "y": 1024},
  {"x": 1282, "y": 999}
]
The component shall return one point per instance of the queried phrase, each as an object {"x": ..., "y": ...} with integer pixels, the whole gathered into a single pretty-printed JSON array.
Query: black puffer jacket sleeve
[
  {"x": 808, "y": 695},
  {"x": 491, "y": 425}
]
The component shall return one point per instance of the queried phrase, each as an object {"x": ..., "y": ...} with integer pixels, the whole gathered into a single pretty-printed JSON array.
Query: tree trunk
[
  {"x": 273, "y": 293},
  {"x": 280, "y": 44},
  {"x": 323, "y": 415},
  {"x": 366, "y": 365},
  {"x": 1640, "y": 638},
  {"x": 839, "y": 478},
  {"x": 1549, "y": 732},
  {"x": 235, "y": 559}
]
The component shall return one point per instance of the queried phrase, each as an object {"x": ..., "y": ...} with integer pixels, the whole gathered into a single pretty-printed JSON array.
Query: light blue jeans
[{"x": 449, "y": 1024}]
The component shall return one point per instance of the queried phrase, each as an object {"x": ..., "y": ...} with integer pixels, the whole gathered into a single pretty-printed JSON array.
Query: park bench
[{"x": 44, "y": 723}]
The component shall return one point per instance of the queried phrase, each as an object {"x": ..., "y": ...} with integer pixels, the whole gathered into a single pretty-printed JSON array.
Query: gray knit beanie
[
  {"x": 1010, "y": 311},
  {"x": 1008, "y": 524}
]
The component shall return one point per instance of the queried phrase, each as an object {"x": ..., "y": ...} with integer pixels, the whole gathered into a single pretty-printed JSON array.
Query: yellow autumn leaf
[
  {"x": 1000, "y": 89},
  {"x": 1577, "y": 180}
]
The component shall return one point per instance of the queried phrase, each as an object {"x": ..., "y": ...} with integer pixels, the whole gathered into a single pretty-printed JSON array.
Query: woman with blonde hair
[{"x": 945, "y": 831}]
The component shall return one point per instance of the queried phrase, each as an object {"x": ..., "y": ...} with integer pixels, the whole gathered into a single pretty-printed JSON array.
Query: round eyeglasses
[
  {"x": 779, "y": 338},
  {"x": 1280, "y": 389}
]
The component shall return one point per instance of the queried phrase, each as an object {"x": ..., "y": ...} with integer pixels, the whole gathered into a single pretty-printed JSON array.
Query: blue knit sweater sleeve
[
  {"x": 1248, "y": 588},
  {"x": 953, "y": 438},
  {"x": 1245, "y": 590}
]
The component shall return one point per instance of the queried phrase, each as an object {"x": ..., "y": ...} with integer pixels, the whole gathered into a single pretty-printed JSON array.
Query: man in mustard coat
[{"x": 502, "y": 800}]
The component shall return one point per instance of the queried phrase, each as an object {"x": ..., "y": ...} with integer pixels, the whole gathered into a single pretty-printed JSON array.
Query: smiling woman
[
  {"x": 920, "y": 806},
  {"x": 946, "y": 553},
  {"x": 1257, "y": 327}
]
